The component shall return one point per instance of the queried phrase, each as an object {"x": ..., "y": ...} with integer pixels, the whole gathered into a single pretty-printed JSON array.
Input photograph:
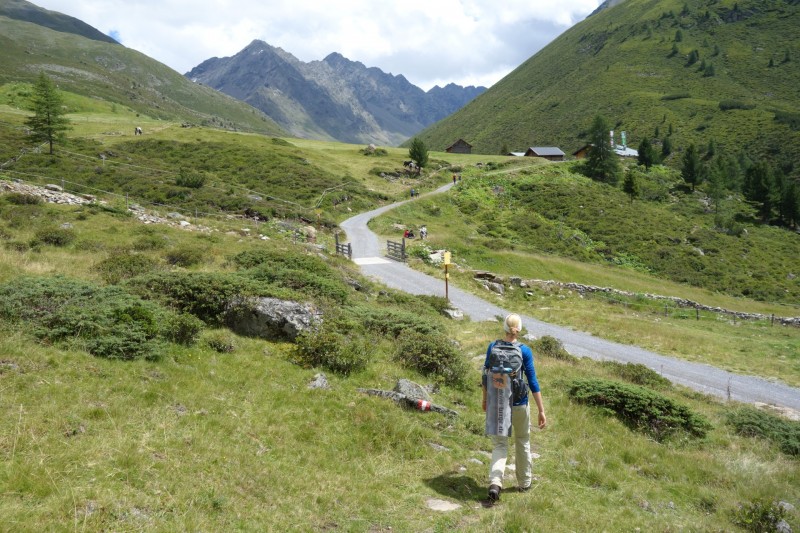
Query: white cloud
[{"x": 469, "y": 42}]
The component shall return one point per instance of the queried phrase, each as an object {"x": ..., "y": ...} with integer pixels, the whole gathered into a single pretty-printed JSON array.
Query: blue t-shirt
[{"x": 527, "y": 367}]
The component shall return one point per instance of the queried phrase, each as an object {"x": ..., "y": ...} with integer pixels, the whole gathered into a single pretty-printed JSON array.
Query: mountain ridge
[{"x": 330, "y": 99}]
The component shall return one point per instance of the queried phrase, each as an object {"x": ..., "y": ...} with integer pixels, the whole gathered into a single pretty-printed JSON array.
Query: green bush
[
  {"x": 432, "y": 355},
  {"x": 281, "y": 259},
  {"x": 182, "y": 328},
  {"x": 185, "y": 256},
  {"x": 727, "y": 105},
  {"x": 321, "y": 286},
  {"x": 105, "y": 321},
  {"x": 759, "y": 516},
  {"x": 150, "y": 242},
  {"x": 327, "y": 348},
  {"x": 124, "y": 266},
  {"x": 204, "y": 295},
  {"x": 751, "y": 422},
  {"x": 638, "y": 374},
  {"x": 392, "y": 323},
  {"x": 192, "y": 180},
  {"x": 18, "y": 198},
  {"x": 551, "y": 347},
  {"x": 639, "y": 408},
  {"x": 55, "y": 236},
  {"x": 220, "y": 341}
]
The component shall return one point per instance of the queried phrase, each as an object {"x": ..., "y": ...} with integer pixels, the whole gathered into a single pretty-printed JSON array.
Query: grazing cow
[{"x": 137, "y": 131}]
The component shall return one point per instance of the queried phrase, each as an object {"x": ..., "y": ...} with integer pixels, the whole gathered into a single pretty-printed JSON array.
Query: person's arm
[{"x": 537, "y": 397}]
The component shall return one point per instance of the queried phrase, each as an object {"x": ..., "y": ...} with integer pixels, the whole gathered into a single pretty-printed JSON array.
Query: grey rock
[
  {"x": 442, "y": 505},
  {"x": 454, "y": 314},
  {"x": 412, "y": 390},
  {"x": 786, "y": 506},
  {"x": 270, "y": 318},
  {"x": 496, "y": 287},
  {"x": 319, "y": 382},
  {"x": 783, "y": 527}
]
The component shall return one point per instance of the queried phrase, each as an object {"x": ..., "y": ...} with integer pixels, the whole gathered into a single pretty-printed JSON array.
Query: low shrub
[
  {"x": 19, "y": 198},
  {"x": 432, "y": 355},
  {"x": 551, "y": 347},
  {"x": 676, "y": 96},
  {"x": 727, "y": 105},
  {"x": 105, "y": 321},
  {"x": 185, "y": 256},
  {"x": 751, "y": 422},
  {"x": 124, "y": 266},
  {"x": 204, "y": 295},
  {"x": 326, "y": 348},
  {"x": 639, "y": 408},
  {"x": 280, "y": 259},
  {"x": 310, "y": 283},
  {"x": 182, "y": 328},
  {"x": 54, "y": 236},
  {"x": 150, "y": 242},
  {"x": 759, "y": 516},
  {"x": 638, "y": 374},
  {"x": 392, "y": 323},
  {"x": 220, "y": 341}
]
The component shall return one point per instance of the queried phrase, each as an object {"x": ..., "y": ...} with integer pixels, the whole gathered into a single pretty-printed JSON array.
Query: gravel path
[{"x": 369, "y": 254}]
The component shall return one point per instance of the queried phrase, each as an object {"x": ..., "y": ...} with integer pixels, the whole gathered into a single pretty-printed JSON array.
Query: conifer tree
[
  {"x": 647, "y": 154},
  {"x": 691, "y": 171},
  {"x": 418, "y": 152},
  {"x": 602, "y": 162},
  {"x": 631, "y": 185},
  {"x": 48, "y": 122}
]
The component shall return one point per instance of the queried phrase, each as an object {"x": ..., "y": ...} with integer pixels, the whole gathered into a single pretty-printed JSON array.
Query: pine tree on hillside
[
  {"x": 48, "y": 122},
  {"x": 602, "y": 163},
  {"x": 692, "y": 171},
  {"x": 418, "y": 152},
  {"x": 631, "y": 185},
  {"x": 647, "y": 154},
  {"x": 759, "y": 188}
]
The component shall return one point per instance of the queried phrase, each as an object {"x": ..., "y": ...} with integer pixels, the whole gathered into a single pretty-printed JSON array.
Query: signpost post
[{"x": 446, "y": 275}]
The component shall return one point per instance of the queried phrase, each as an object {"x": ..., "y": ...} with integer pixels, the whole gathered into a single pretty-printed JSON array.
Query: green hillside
[
  {"x": 620, "y": 63},
  {"x": 132, "y": 406},
  {"x": 112, "y": 73}
]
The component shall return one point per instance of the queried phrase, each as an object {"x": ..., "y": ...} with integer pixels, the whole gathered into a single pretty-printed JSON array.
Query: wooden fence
[
  {"x": 344, "y": 248},
  {"x": 396, "y": 250}
]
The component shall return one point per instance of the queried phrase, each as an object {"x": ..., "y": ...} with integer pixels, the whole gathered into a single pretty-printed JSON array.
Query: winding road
[{"x": 369, "y": 254}]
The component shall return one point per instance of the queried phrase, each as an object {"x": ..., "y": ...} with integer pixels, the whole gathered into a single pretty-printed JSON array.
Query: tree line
[{"x": 774, "y": 194}]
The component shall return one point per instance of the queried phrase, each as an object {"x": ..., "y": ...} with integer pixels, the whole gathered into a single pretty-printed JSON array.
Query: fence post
[
  {"x": 772, "y": 320},
  {"x": 697, "y": 312},
  {"x": 350, "y": 250},
  {"x": 403, "y": 249},
  {"x": 666, "y": 311}
]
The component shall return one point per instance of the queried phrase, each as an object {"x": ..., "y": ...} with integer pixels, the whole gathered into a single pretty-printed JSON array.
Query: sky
[{"x": 430, "y": 42}]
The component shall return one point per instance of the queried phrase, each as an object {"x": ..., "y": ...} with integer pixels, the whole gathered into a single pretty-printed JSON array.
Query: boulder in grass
[{"x": 270, "y": 318}]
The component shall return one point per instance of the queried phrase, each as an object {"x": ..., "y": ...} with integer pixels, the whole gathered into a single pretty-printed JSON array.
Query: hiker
[
  {"x": 411, "y": 234},
  {"x": 412, "y": 193},
  {"x": 423, "y": 232},
  {"x": 405, "y": 234},
  {"x": 505, "y": 400},
  {"x": 454, "y": 179}
]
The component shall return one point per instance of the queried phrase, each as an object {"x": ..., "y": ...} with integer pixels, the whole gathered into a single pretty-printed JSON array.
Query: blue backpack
[{"x": 506, "y": 358}]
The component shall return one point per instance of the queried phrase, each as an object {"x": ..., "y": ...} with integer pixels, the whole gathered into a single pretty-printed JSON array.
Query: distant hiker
[
  {"x": 454, "y": 179},
  {"x": 411, "y": 234},
  {"x": 412, "y": 192},
  {"x": 137, "y": 131},
  {"x": 423, "y": 232},
  {"x": 405, "y": 234},
  {"x": 505, "y": 401}
]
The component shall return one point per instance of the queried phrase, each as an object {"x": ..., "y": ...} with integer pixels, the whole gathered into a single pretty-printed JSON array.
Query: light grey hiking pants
[{"x": 521, "y": 433}]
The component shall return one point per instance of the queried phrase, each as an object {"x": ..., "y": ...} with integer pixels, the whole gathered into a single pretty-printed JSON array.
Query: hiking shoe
[
  {"x": 524, "y": 489},
  {"x": 494, "y": 493}
]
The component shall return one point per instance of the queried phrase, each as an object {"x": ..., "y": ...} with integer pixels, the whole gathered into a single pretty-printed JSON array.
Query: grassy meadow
[{"x": 208, "y": 430}]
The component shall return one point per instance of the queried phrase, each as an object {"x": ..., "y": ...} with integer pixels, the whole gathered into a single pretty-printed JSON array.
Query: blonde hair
[{"x": 512, "y": 324}]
